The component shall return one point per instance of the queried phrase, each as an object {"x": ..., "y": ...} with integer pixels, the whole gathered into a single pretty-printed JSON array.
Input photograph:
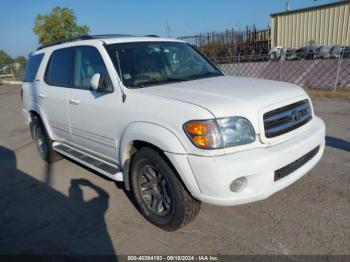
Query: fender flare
[
  {"x": 162, "y": 138},
  {"x": 152, "y": 133}
]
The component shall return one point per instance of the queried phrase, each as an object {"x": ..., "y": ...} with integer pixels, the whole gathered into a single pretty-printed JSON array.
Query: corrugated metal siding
[{"x": 329, "y": 25}]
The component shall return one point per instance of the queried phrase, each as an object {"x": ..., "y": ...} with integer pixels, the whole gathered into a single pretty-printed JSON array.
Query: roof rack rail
[
  {"x": 88, "y": 37},
  {"x": 72, "y": 39},
  {"x": 110, "y": 36}
]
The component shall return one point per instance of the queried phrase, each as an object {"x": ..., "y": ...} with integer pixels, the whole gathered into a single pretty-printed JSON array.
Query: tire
[
  {"x": 177, "y": 207},
  {"x": 44, "y": 143}
]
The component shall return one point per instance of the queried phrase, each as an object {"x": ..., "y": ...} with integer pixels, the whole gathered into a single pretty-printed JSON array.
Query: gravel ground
[{"x": 67, "y": 209}]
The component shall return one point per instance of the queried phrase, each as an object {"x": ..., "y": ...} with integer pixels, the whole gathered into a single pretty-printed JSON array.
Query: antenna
[{"x": 120, "y": 77}]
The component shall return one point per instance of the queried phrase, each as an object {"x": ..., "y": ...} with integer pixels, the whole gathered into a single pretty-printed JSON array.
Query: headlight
[
  {"x": 220, "y": 133},
  {"x": 236, "y": 131}
]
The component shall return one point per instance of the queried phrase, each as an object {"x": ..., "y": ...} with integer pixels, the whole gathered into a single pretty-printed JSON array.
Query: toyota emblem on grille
[{"x": 296, "y": 116}]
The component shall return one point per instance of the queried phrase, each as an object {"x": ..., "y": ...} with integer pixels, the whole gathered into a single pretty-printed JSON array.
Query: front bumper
[{"x": 215, "y": 174}]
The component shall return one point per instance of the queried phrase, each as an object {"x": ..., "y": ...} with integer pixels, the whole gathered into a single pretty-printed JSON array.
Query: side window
[
  {"x": 59, "y": 70},
  {"x": 87, "y": 62},
  {"x": 32, "y": 67}
]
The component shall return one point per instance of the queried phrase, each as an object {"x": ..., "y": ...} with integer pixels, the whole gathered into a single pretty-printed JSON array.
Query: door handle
[
  {"x": 74, "y": 101},
  {"x": 42, "y": 96}
]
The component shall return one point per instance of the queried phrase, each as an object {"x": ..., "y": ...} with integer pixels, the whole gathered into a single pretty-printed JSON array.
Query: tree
[
  {"x": 21, "y": 60},
  {"x": 5, "y": 59},
  {"x": 58, "y": 25}
]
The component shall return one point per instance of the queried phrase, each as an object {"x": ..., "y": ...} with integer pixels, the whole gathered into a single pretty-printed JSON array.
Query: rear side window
[
  {"x": 32, "y": 67},
  {"x": 59, "y": 69}
]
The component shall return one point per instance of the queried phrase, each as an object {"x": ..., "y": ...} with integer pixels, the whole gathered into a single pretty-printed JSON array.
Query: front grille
[
  {"x": 285, "y": 119},
  {"x": 285, "y": 171}
]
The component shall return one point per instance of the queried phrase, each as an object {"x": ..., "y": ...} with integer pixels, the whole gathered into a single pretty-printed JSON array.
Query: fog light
[{"x": 238, "y": 184}]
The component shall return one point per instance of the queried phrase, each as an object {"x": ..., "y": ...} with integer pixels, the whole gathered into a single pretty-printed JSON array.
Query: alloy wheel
[{"x": 156, "y": 191}]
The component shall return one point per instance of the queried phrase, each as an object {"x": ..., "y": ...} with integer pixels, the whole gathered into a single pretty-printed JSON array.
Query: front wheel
[{"x": 160, "y": 195}]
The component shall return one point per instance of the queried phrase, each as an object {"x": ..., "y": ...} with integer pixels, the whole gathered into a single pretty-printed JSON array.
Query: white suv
[{"x": 159, "y": 116}]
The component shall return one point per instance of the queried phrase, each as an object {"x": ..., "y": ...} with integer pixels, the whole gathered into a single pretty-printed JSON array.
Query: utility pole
[
  {"x": 168, "y": 30},
  {"x": 287, "y": 5}
]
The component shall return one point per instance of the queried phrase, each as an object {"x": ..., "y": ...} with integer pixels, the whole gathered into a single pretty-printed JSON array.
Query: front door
[{"x": 92, "y": 114}]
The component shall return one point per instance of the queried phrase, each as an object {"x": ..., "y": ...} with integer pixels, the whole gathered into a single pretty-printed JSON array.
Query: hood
[
  {"x": 218, "y": 94},
  {"x": 226, "y": 96},
  {"x": 229, "y": 96}
]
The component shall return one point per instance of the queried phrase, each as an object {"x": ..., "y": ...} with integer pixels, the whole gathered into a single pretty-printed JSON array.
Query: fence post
[
  {"x": 13, "y": 76},
  {"x": 239, "y": 60},
  {"x": 279, "y": 68},
  {"x": 340, "y": 60}
]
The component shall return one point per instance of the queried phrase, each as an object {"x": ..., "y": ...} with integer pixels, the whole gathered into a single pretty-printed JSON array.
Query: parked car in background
[
  {"x": 282, "y": 53},
  {"x": 346, "y": 53},
  {"x": 336, "y": 51},
  {"x": 275, "y": 53},
  {"x": 306, "y": 52},
  {"x": 301, "y": 53},
  {"x": 289, "y": 53},
  {"x": 323, "y": 52}
]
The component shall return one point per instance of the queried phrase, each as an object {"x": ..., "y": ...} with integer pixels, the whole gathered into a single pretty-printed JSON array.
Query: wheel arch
[
  {"x": 37, "y": 113},
  {"x": 144, "y": 134},
  {"x": 151, "y": 133}
]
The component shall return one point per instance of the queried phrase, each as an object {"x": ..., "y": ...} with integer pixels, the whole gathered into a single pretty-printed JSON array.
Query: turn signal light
[
  {"x": 196, "y": 128},
  {"x": 201, "y": 141},
  {"x": 203, "y": 134}
]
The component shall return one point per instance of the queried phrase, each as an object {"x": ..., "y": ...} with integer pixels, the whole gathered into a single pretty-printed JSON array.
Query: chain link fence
[
  {"x": 314, "y": 72},
  {"x": 327, "y": 74}
]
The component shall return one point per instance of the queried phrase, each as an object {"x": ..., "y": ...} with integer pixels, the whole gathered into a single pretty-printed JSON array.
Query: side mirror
[
  {"x": 95, "y": 81},
  {"x": 101, "y": 83}
]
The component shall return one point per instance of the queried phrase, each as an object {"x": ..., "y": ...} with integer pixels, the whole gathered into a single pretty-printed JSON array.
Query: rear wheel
[
  {"x": 160, "y": 195},
  {"x": 44, "y": 143}
]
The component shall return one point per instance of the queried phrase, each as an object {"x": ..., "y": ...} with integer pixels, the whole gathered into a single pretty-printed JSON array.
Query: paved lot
[{"x": 50, "y": 210}]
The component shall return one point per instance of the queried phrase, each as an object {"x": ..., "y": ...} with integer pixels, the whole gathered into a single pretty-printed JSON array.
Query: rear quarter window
[{"x": 32, "y": 67}]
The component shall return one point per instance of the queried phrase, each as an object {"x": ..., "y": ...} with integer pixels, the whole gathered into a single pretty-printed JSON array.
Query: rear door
[
  {"x": 30, "y": 83},
  {"x": 53, "y": 92}
]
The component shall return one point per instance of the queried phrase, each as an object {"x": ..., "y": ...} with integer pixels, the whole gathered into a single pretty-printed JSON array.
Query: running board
[{"x": 90, "y": 161}]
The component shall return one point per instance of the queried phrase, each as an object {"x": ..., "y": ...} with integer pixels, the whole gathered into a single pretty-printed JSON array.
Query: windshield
[{"x": 144, "y": 64}]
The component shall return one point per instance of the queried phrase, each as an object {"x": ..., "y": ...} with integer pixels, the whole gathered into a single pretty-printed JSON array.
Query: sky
[{"x": 139, "y": 17}]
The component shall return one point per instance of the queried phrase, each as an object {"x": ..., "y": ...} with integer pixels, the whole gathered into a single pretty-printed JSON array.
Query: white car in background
[{"x": 157, "y": 115}]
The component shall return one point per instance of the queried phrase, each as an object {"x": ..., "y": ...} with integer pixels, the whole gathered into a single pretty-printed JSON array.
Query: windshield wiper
[
  {"x": 203, "y": 75},
  {"x": 175, "y": 80},
  {"x": 158, "y": 82}
]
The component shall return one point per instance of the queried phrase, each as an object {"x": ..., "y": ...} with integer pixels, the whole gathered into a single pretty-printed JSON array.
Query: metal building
[{"x": 327, "y": 24}]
